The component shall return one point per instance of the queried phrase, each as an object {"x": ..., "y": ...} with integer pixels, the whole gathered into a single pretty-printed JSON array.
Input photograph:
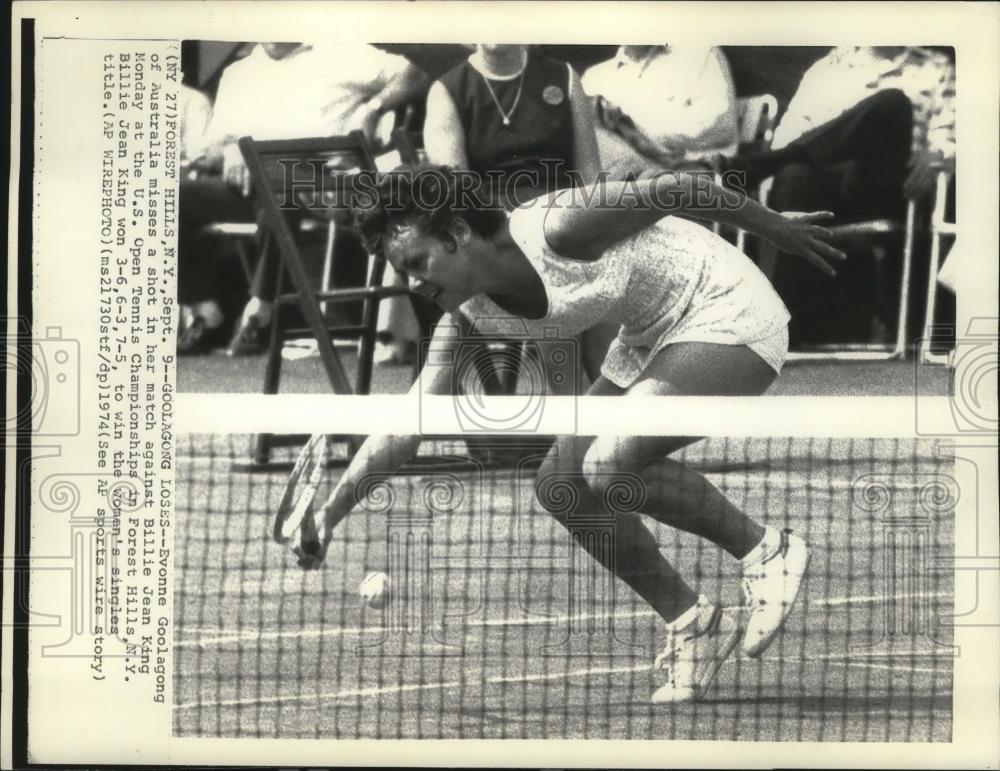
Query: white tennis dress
[{"x": 674, "y": 281}]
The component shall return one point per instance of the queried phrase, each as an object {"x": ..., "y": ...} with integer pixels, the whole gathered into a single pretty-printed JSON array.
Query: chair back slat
[
  {"x": 315, "y": 176},
  {"x": 410, "y": 146},
  {"x": 756, "y": 118}
]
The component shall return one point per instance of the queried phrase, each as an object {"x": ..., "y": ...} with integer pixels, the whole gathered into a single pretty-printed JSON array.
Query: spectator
[
  {"x": 509, "y": 110},
  {"x": 866, "y": 130},
  {"x": 843, "y": 79},
  {"x": 196, "y": 115},
  {"x": 663, "y": 107},
  {"x": 850, "y": 108},
  {"x": 311, "y": 91},
  {"x": 512, "y": 112}
]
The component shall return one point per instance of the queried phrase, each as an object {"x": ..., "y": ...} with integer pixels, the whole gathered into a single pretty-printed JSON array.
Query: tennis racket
[{"x": 300, "y": 490}]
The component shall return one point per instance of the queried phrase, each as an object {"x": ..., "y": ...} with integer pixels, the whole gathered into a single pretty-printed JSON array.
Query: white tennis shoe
[
  {"x": 693, "y": 655},
  {"x": 772, "y": 577}
]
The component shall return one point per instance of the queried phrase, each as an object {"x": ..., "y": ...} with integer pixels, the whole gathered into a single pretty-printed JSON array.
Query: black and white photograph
[
  {"x": 502, "y": 384},
  {"x": 599, "y": 588},
  {"x": 756, "y": 210}
]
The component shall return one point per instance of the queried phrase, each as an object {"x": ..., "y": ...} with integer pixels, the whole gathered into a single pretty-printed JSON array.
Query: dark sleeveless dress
[{"x": 534, "y": 154}]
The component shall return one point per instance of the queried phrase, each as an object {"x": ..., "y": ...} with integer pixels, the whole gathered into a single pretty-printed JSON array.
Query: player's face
[{"x": 443, "y": 274}]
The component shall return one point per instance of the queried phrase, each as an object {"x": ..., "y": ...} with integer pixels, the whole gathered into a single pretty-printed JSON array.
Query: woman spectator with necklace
[
  {"x": 517, "y": 115},
  {"x": 521, "y": 120}
]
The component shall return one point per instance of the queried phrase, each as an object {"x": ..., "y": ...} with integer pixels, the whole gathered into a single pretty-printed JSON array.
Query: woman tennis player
[{"x": 696, "y": 317}]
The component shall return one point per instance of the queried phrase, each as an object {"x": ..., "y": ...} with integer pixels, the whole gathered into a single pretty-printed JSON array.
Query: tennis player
[{"x": 696, "y": 318}]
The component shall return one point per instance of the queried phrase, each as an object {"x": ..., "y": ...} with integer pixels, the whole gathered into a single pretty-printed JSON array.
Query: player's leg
[
  {"x": 773, "y": 561},
  {"x": 635, "y": 557},
  {"x": 675, "y": 494},
  {"x": 699, "y": 638},
  {"x": 700, "y": 635}
]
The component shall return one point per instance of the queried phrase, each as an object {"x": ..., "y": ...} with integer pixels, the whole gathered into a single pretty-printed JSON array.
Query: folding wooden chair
[
  {"x": 240, "y": 234},
  {"x": 410, "y": 146},
  {"x": 317, "y": 178},
  {"x": 880, "y": 227},
  {"x": 873, "y": 351},
  {"x": 940, "y": 230}
]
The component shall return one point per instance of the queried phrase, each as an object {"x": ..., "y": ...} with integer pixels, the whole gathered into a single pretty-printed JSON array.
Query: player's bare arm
[
  {"x": 584, "y": 224},
  {"x": 379, "y": 453}
]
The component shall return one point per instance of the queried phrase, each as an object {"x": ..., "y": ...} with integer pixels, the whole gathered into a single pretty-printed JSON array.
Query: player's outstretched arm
[
  {"x": 583, "y": 223},
  {"x": 797, "y": 233},
  {"x": 377, "y": 455},
  {"x": 381, "y": 454}
]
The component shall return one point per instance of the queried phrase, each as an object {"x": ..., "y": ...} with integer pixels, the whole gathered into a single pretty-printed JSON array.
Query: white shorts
[{"x": 624, "y": 364}]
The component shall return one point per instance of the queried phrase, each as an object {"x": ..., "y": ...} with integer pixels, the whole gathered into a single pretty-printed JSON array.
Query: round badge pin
[{"x": 553, "y": 95}]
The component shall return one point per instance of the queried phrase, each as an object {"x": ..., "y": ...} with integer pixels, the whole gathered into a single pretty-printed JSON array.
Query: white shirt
[
  {"x": 679, "y": 96},
  {"x": 196, "y": 114},
  {"x": 315, "y": 91},
  {"x": 847, "y": 75}
]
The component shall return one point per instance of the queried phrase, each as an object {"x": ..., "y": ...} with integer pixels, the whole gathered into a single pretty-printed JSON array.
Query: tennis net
[{"x": 498, "y": 626}]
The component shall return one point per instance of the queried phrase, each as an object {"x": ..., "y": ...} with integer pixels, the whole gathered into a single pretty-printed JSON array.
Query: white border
[{"x": 972, "y": 28}]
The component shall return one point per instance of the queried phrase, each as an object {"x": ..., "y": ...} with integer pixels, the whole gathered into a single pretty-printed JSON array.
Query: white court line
[
  {"x": 496, "y": 680},
  {"x": 835, "y": 601},
  {"x": 248, "y": 635},
  {"x": 362, "y": 692},
  {"x": 840, "y": 661}
]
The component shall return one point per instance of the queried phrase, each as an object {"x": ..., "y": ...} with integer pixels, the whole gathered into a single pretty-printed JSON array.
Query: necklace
[{"x": 505, "y": 116}]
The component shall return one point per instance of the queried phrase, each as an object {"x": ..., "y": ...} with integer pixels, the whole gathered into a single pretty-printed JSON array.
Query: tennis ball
[{"x": 374, "y": 590}]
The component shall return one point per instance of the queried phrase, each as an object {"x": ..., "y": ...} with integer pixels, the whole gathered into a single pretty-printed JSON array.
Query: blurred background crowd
[{"x": 860, "y": 131}]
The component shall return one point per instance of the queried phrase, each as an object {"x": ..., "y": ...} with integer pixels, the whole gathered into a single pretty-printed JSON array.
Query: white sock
[
  {"x": 701, "y": 612},
  {"x": 259, "y": 309},
  {"x": 768, "y": 545}
]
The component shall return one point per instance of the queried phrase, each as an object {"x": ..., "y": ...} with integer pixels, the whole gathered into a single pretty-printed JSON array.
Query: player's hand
[
  {"x": 798, "y": 233},
  {"x": 312, "y": 545}
]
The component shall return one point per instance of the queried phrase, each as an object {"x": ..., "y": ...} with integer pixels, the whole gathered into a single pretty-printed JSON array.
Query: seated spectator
[
  {"x": 852, "y": 106},
  {"x": 663, "y": 107},
  {"x": 196, "y": 301},
  {"x": 866, "y": 130},
  {"x": 515, "y": 113},
  {"x": 311, "y": 91},
  {"x": 523, "y": 118},
  {"x": 196, "y": 115}
]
